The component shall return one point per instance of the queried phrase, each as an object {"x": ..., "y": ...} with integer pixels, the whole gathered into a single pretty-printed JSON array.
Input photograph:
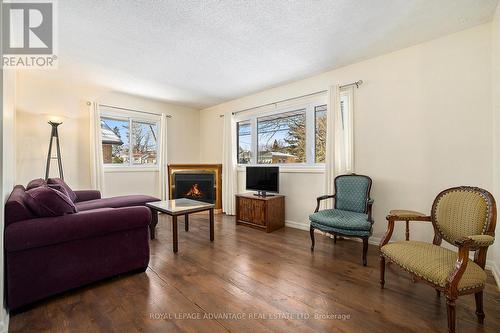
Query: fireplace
[
  {"x": 200, "y": 182},
  {"x": 197, "y": 186}
]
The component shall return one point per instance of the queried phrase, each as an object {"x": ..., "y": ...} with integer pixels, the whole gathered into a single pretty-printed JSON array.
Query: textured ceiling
[{"x": 204, "y": 52}]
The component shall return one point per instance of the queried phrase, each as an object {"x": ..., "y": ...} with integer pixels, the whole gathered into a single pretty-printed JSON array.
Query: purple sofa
[{"x": 48, "y": 255}]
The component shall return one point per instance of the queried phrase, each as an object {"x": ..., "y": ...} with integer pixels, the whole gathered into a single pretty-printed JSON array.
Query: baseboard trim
[
  {"x": 4, "y": 321},
  {"x": 490, "y": 264},
  {"x": 495, "y": 270},
  {"x": 296, "y": 225}
]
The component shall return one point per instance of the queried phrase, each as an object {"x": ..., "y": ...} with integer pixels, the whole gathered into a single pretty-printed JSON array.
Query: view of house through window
[
  {"x": 143, "y": 143},
  {"x": 115, "y": 147},
  {"x": 118, "y": 135}
]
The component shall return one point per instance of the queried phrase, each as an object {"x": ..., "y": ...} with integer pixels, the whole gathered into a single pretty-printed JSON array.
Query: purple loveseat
[{"x": 49, "y": 255}]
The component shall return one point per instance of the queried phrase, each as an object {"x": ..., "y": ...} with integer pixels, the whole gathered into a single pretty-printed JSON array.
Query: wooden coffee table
[{"x": 178, "y": 207}]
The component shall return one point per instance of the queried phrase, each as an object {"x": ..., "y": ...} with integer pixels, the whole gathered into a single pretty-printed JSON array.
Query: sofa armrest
[
  {"x": 86, "y": 195},
  {"x": 47, "y": 231}
]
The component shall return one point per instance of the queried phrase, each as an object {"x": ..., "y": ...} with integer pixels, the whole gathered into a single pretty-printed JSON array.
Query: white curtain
[
  {"x": 229, "y": 164},
  {"x": 163, "y": 161},
  {"x": 339, "y": 157},
  {"x": 96, "y": 159}
]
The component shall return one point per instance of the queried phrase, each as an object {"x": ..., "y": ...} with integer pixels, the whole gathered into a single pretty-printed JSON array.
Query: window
[
  {"x": 244, "y": 142},
  {"x": 143, "y": 142},
  {"x": 320, "y": 133},
  {"x": 292, "y": 134},
  {"x": 115, "y": 147},
  {"x": 281, "y": 138},
  {"x": 128, "y": 141}
]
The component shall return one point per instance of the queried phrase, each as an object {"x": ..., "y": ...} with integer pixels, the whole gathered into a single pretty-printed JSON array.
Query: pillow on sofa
[
  {"x": 59, "y": 188},
  {"x": 67, "y": 189},
  {"x": 45, "y": 202},
  {"x": 36, "y": 183}
]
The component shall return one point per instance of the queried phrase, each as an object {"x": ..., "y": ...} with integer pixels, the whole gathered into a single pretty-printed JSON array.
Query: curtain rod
[
  {"x": 356, "y": 83},
  {"x": 133, "y": 110}
]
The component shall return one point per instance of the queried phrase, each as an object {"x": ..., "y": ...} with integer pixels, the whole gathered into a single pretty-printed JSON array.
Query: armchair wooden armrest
[
  {"x": 401, "y": 215},
  {"x": 370, "y": 205},
  {"x": 407, "y": 215},
  {"x": 464, "y": 244},
  {"x": 323, "y": 197},
  {"x": 475, "y": 241}
]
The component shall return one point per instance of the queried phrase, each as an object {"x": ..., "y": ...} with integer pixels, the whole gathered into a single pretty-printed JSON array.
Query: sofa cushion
[
  {"x": 16, "y": 208},
  {"x": 116, "y": 202},
  {"x": 36, "y": 183},
  {"x": 86, "y": 195},
  {"x": 60, "y": 182},
  {"x": 39, "y": 232},
  {"x": 45, "y": 201}
]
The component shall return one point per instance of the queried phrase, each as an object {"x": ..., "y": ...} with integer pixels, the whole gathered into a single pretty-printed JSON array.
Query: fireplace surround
[{"x": 201, "y": 182}]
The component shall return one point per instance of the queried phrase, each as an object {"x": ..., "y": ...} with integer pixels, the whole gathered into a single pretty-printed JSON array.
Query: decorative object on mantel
[
  {"x": 201, "y": 182},
  {"x": 54, "y": 134}
]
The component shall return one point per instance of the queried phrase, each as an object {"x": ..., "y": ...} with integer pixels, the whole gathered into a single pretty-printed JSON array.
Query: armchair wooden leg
[
  {"x": 311, "y": 233},
  {"x": 450, "y": 310},
  {"x": 334, "y": 239},
  {"x": 479, "y": 307},
  {"x": 382, "y": 271},
  {"x": 438, "y": 293},
  {"x": 365, "y": 249}
]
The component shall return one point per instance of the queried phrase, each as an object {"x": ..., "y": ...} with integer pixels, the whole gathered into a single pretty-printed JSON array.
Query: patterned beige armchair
[{"x": 462, "y": 216}]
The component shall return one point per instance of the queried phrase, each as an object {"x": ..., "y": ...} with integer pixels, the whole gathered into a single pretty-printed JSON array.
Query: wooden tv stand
[{"x": 263, "y": 213}]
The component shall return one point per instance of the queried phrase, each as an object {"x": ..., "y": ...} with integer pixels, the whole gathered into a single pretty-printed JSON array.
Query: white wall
[
  {"x": 7, "y": 165},
  {"x": 422, "y": 123},
  {"x": 44, "y": 94},
  {"x": 496, "y": 131}
]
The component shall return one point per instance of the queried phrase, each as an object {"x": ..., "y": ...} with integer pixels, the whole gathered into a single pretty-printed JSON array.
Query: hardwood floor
[{"x": 261, "y": 283}]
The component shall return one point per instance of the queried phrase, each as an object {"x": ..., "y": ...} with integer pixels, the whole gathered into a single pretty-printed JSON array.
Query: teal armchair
[{"x": 352, "y": 212}]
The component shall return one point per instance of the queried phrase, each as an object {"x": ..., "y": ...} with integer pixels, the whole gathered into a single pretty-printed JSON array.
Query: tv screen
[{"x": 263, "y": 179}]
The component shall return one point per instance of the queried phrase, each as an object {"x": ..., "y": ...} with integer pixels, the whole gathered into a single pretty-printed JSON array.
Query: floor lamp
[{"x": 54, "y": 134}]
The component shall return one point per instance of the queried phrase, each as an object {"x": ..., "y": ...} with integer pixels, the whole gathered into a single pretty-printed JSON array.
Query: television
[{"x": 263, "y": 179}]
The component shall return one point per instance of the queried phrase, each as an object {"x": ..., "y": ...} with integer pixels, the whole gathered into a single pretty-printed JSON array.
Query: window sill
[
  {"x": 289, "y": 168},
  {"x": 111, "y": 169}
]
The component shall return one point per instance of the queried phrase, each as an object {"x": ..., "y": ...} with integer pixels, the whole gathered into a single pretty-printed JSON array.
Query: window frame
[
  {"x": 253, "y": 119},
  {"x": 130, "y": 166},
  {"x": 310, "y": 165}
]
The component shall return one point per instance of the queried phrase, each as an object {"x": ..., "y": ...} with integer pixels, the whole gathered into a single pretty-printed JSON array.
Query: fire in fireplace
[
  {"x": 195, "y": 192},
  {"x": 196, "y": 186}
]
